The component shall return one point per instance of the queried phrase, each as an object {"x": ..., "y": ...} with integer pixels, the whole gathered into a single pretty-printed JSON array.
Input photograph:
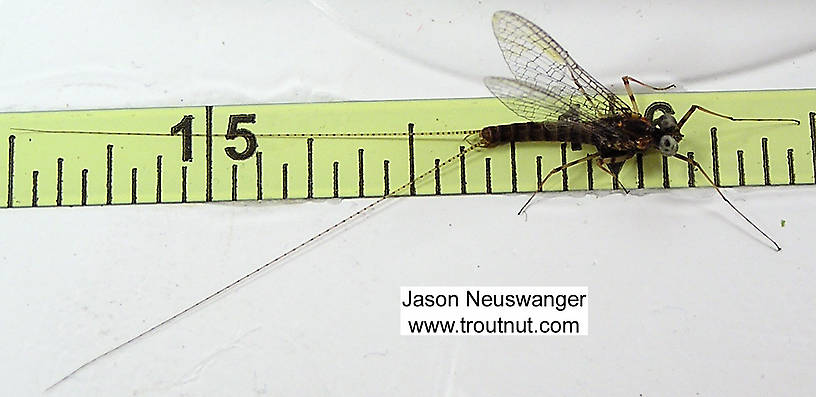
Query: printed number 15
[{"x": 185, "y": 128}]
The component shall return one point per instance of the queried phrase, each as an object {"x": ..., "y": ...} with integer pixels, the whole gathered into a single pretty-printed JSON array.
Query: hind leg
[
  {"x": 602, "y": 164},
  {"x": 555, "y": 171}
]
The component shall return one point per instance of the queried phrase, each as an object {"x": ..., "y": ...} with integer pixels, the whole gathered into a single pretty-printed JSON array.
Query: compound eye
[
  {"x": 666, "y": 123},
  {"x": 667, "y": 145}
]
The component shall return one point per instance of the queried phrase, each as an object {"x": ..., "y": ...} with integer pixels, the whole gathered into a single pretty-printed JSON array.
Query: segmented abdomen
[{"x": 536, "y": 131}]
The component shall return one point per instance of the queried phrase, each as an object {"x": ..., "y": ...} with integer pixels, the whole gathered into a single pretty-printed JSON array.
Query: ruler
[{"x": 367, "y": 149}]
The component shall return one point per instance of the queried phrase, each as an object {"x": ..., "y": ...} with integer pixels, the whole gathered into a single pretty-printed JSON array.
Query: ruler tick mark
[
  {"x": 639, "y": 162},
  {"x": 691, "y": 182},
  {"x": 84, "y": 187},
  {"x": 259, "y": 174},
  {"x": 234, "y": 182},
  {"x": 183, "y": 183},
  {"x": 791, "y": 173},
  {"x": 10, "y": 202},
  {"x": 386, "y": 187},
  {"x": 812, "y": 116},
  {"x": 741, "y": 167},
  {"x": 590, "y": 181},
  {"x": 208, "y": 110},
  {"x": 513, "y": 170},
  {"x": 411, "y": 169},
  {"x": 59, "y": 181},
  {"x": 360, "y": 174},
  {"x": 158, "y": 179},
  {"x": 309, "y": 167},
  {"x": 488, "y": 187},
  {"x": 666, "y": 181},
  {"x": 564, "y": 178},
  {"x": 766, "y": 167},
  {"x": 109, "y": 176},
  {"x": 538, "y": 173},
  {"x": 715, "y": 156},
  {"x": 463, "y": 179},
  {"x": 336, "y": 179},
  {"x": 34, "y": 197},
  {"x": 285, "y": 180},
  {"x": 133, "y": 188},
  {"x": 437, "y": 181}
]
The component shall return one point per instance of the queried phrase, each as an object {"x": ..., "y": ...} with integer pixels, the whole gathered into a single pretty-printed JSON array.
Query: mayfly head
[{"x": 666, "y": 132}]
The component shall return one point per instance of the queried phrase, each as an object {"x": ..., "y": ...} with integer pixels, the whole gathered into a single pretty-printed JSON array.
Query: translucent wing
[
  {"x": 537, "y": 60},
  {"x": 535, "y": 104}
]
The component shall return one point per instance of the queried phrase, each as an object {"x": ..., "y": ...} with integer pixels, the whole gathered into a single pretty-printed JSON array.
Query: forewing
[{"x": 536, "y": 59}]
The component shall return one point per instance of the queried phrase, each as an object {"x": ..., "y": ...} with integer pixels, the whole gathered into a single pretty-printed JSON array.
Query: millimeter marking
[
  {"x": 10, "y": 171},
  {"x": 411, "y": 165},
  {"x": 335, "y": 179},
  {"x": 133, "y": 189},
  {"x": 715, "y": 156},
  {"x": 59, "y": 181},
  {"x": 766, "y": 167},
  {"x": 109, "y": 175},
  {"x": 285, "y": 180},
  {"x": 812, "y": 117},
  {"x": 513, "y": 170},
  {"x": 158, "y": 179},
  {"x": 488, "y": 186},
  {"x": 84, "y": 199},
  {"x": 463, "y": 179},
  {"x": 691, "y": 172},
  {"x": 310, "y": 168},
  {"x": 437, "y": 181},
  {"x": 183, "y": 183},
  {"x": 360, "y": 174},
  {"x": 564, "y": 176},
  {"x": 386, "y": 180},
  {"x": 209, "y": 152},
  {"x": 639, "y": 162},
  {"x": 259, "y": 175},
  {"x": 34, "y": 196}
]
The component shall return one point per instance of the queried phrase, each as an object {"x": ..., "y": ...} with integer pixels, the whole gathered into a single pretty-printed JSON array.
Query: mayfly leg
[
  {"x": 268, "y": 264},
  {"x": 698, "y": 167},
  {"x": 602, "y": 165},
  {"x": 555, "y": 171},
  {"x": 713, "y": 113},
  {"x": 627, "y": 79}
]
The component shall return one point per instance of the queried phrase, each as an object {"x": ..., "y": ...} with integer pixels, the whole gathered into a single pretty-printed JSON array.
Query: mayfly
[
  {"x": 562, "y": 102},
  {"x": 549, "y": 85}
]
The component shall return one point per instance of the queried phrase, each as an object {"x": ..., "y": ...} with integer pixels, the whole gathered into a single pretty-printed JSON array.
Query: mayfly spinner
[
  {"x": 549, "y": 85},
  {"x": 563, "y": 103}
]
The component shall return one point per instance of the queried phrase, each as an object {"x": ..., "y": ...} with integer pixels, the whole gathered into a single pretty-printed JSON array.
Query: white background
[{"x": 685, "y": 298}]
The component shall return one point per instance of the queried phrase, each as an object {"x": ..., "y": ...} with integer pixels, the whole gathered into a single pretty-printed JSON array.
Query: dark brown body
[
  {"x": 552, "y": 131},
  {"x": 622, "y": 134}
]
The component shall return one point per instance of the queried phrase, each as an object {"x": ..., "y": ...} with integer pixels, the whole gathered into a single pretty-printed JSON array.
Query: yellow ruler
[{"x": 366, "y": 149}]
